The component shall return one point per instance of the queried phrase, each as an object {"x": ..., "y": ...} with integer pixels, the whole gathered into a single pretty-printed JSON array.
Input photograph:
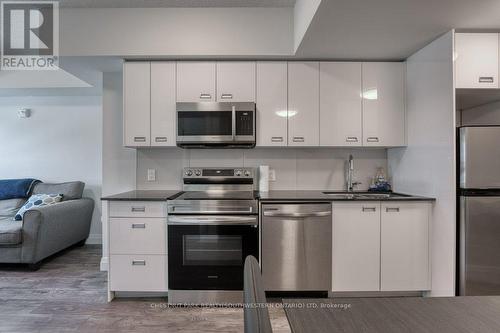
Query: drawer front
[
  {"x": 136, "y": 235},
  {"x": 138, "y": 273},
  {"x": 137, "y": 209}
]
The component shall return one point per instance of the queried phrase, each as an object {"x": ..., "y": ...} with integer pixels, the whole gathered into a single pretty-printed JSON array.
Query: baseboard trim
[
  {"x": 104, "y": 264},
  {"x": 94, "y": 239}
]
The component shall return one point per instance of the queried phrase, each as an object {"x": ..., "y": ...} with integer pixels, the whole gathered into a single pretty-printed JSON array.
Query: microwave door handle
[{"x": 233, "y": 117}]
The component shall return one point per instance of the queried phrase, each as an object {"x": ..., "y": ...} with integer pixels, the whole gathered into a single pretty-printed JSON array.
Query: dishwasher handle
[{"x": 297, "y": 215}]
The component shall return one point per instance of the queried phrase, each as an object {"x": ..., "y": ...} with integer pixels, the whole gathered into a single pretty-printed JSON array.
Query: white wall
[
  {"x": 174, "y": 32},
  {"x": 427, "y": 165},
  {"x": 118, "y": 163},
  {"x": 303, "y": 14},
  {"x": 488, "y": 114},
  {"x": 60, "y": 142},
  {"x": 301, "y": 169}
]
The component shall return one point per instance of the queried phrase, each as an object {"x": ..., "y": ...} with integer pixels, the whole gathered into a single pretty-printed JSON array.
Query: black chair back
[{"x": 256, "y": 313}]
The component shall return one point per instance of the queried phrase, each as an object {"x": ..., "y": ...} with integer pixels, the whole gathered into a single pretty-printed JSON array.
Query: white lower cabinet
[
  {"x": 146, "y": 273},
  {"x": 404, "y": 249},
  {"x": 132, "y": 235},
  {"x": 356, "y": 246},
  {"x": 381, "y": 246},
  {"x": 137, "y": 246}
]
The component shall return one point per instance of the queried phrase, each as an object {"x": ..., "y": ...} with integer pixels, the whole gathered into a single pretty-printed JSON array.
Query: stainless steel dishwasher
[{"x": 296, "y": 246}]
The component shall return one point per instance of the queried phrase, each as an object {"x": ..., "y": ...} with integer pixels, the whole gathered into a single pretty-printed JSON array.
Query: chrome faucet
[{"x": 350, "y": 174}]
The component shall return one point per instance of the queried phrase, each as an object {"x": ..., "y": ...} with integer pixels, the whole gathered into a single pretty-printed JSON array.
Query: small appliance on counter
[{"x": 212, "y": 228}]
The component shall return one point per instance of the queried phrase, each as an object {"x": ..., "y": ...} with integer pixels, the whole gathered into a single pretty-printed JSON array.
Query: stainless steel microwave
[{"x": 216, "y": 125}]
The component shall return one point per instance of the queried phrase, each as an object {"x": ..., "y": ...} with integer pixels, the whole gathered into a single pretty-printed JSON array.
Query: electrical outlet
[
  {"x": 151, "y": 175},
  {"x": 272, "y": 175}
]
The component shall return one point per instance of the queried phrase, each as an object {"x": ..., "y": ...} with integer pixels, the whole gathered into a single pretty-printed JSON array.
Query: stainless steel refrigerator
[{"x": 479, "y": 210}]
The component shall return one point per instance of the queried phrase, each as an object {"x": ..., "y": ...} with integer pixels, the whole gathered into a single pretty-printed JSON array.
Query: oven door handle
[
  {"x": 212, "y": 220},
  {"x": 218, "y": 210}
]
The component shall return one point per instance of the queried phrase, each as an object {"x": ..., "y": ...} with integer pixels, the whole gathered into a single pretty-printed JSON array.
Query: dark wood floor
[{"x": 68, "y": 294}]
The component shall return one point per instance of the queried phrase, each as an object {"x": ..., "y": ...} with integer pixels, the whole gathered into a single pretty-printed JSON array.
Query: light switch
[{"x": 151, "y": 175}]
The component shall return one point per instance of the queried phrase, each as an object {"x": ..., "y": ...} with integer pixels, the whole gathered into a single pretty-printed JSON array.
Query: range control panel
[{"x": 219, "y": 172}]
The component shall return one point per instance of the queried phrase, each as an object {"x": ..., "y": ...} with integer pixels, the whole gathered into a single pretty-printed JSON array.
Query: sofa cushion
[
  {"x": 36, "y": 201},
  {"x": 9, "y": 207},
  {"x": 10, "y": 231},
  {"x": 69, "y": 190}
]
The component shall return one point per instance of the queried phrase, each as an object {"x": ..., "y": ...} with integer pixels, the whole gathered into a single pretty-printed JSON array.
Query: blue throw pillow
[{"x": 36, "y": 201}]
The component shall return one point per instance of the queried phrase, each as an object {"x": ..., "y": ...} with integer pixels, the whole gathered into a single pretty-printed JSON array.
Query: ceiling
[
  {"x": 173, "y": 3},
  {"x": 389, "y": 29}
]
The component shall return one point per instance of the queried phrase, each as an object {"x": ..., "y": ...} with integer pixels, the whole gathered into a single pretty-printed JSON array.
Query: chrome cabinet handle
[
  {"x": 161, "y": 139},
  {"x": 486, "y": 79},
  {"x": 351, "y": 139},
  {"x": 392, "y": 209},
  {"x": 372, "y": 139},
  {"x": 226, "y": 96},
  {"x": 298, "y": 139},
  {"x": 138, "y": 262},
  {"x": 277, "y": 139},
  {"x": 139, "y": 139},
  {"x": 369, "y": 209},
  {"x": 205, "y": 96},
  {"x": 138, "y": 225},
  {"x": 138, "y": 209}
]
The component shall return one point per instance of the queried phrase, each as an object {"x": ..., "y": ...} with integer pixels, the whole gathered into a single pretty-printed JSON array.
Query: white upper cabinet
[
  {"x": 303, "y": 104},
  {"x": 196, "y": 81},
  {"x": 236, "y": 81},
  {"x": 477, "y": 60},
  {"x": 136, "y": 104},
  {"x": 405, "y": 264},
  {"x": 163, "y": 104},
  {"x": 356, "y": 246},
  {"x": 383, "y": 104},
  {"x": 271, "y": 103},
  {"x": 340, "y": 104}
]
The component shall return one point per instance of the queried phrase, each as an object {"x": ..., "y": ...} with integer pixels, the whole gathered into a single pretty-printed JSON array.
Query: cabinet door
[
  {"x": 405, "y": 246},
  {"x": 236, "y": 81},
  {"x": 271, "y": 103},
  {"x": 136, "y": 104},
  {"x": 383, "y": 104},
  {"x": 356, "y": 246},
  {"x": 340, "y": 104},
  {"x": 476, "y": 60},
  {"x": 163, "y": 104},
  {"x": 195, "y": 81},
  {"x": 303, "y": 104}
]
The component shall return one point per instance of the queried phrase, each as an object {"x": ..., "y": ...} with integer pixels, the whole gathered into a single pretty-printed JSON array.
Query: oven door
[{"x": 209, "y": 256}]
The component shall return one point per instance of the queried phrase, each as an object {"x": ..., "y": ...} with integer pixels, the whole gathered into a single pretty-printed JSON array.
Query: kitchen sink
[{"x": 361, "y": 196}]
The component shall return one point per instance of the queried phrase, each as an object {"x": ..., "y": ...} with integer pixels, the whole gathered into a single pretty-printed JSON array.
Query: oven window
[
  {"x": 212, "y": 250},
  {"x": 199, "y": 123}
]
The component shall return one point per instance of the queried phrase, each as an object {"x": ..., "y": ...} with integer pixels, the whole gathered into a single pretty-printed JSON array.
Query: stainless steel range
[{"x": 212, "y": 227}]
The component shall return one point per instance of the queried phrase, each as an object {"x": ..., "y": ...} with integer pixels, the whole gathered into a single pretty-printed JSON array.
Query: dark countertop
[
  {"x": 320, "y": 196},
  {"x": 143, "y": 195},
  {"x": 290, "y": 195}
]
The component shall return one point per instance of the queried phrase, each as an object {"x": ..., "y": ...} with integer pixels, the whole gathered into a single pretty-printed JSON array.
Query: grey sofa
[{"x": 45, "y": 230}]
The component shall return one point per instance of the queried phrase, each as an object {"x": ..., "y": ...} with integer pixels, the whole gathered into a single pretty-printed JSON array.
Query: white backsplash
[{"x": 296, "y": 168}]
